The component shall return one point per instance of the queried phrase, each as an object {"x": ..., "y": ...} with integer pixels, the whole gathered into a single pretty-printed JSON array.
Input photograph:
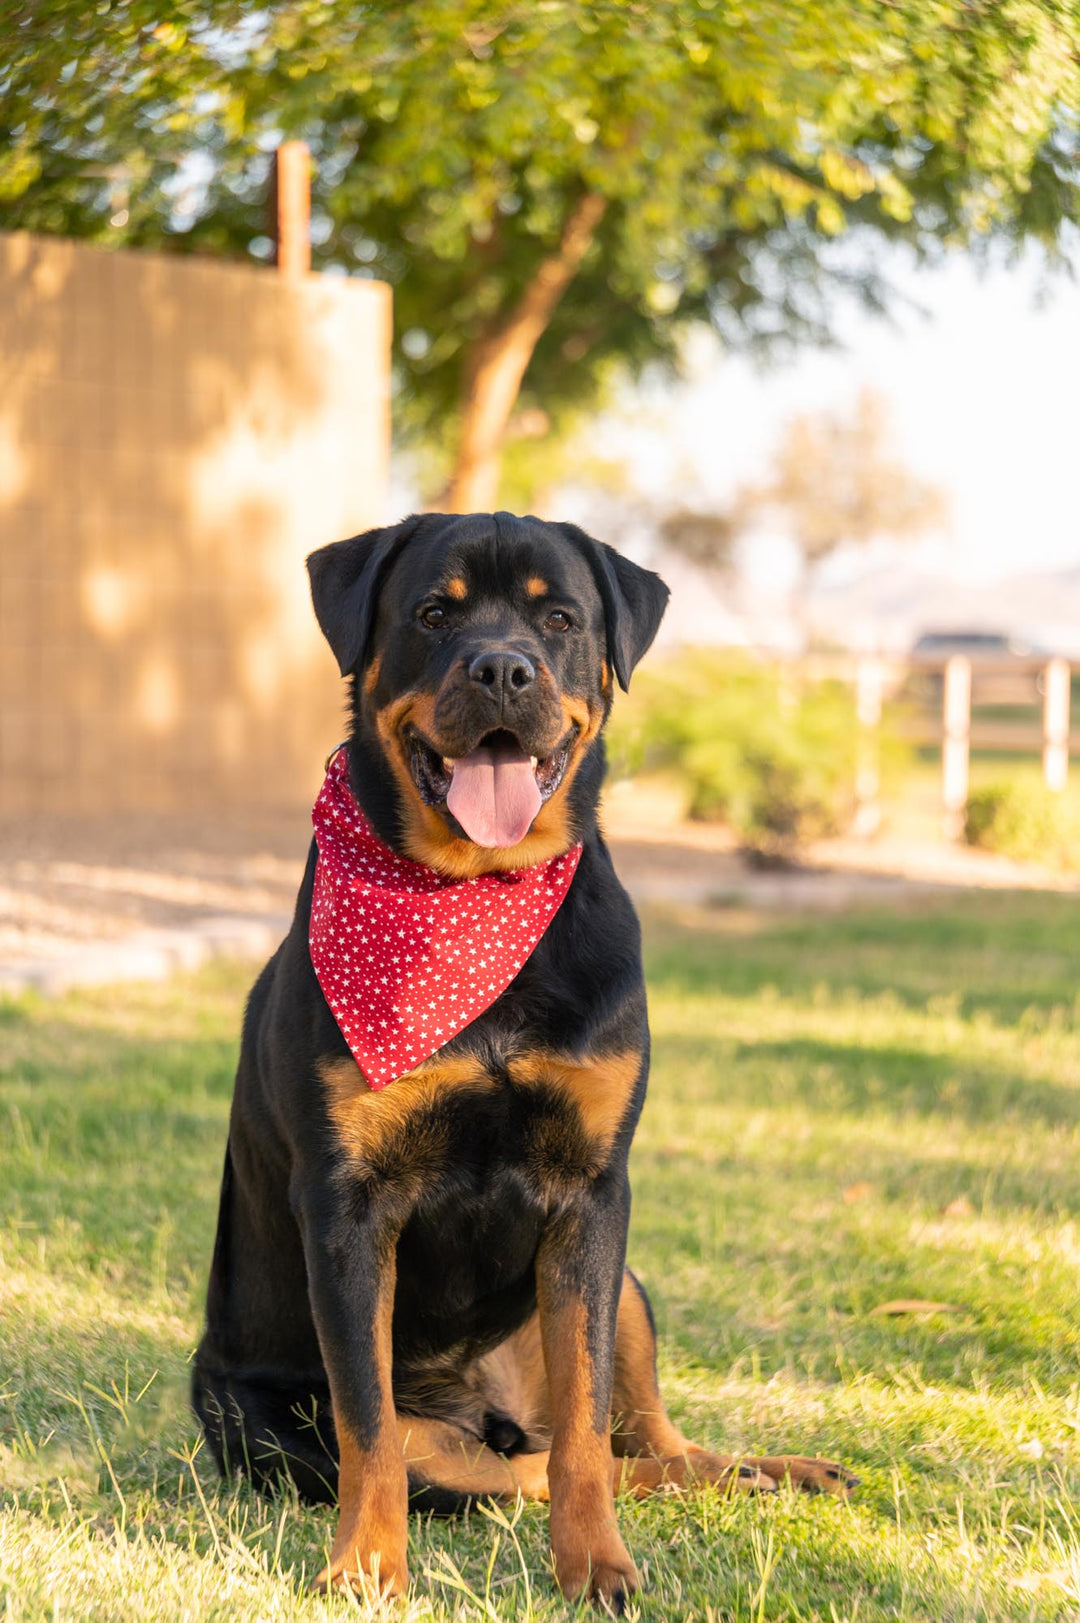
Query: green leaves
[{"x": 732, "y": 142}]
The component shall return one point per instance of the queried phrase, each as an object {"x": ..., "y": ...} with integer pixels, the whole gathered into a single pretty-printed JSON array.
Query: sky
[{"x": 982, "y": 376}]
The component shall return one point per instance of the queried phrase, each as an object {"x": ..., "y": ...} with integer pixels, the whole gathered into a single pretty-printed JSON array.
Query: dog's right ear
[
  {"x": 345, "y": 579},
  {"x": 634, "y": 601}
]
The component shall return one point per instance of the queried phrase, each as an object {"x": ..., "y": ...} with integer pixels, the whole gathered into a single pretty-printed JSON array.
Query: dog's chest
[{"x": 540, "y": 1121}]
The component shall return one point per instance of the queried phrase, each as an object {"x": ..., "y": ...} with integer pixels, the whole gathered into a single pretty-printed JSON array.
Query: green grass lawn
[{"x": 843, "y": 1112}]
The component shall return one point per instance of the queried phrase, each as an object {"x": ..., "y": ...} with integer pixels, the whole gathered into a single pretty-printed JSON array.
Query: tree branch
[{"x": 497, "y": 365}]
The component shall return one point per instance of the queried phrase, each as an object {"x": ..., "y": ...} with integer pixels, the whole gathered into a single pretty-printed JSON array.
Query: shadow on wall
[{"x": 175, "y": 436}]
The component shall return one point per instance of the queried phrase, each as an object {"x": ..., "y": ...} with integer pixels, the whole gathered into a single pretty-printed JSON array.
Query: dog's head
[{"x": 482, "y": 650}]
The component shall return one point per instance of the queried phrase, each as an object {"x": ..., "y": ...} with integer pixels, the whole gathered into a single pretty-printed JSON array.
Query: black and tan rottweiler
[{"x": 418, "y": 1294}]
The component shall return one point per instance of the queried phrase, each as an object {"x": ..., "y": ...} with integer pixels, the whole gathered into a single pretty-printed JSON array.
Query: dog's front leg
[
  {"x": 579, "y": 1277},
  {"x": 352, "y": 1267}
]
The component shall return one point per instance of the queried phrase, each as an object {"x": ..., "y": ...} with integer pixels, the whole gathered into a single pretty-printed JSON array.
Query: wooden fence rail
[{"x": 952, "y": 693}]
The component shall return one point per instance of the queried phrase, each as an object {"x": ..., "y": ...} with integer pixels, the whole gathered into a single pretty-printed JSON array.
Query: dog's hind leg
[
  {"x": 639, "y": 1421},
  {"x": 655, "y": 1454},
  {"x": 269, "y": 1427},
  {"x": 650, "y": 1452},
  {"x": 449, "y": 1469}
]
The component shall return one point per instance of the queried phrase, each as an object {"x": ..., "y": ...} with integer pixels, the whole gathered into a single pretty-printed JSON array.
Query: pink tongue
[{"x": 494, "y": 794}]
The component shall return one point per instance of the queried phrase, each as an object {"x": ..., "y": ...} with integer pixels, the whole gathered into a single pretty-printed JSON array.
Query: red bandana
[{"x": 405, "y": 957}]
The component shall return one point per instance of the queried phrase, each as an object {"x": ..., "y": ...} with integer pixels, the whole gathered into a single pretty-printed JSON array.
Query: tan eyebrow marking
[
  {"x": 537, "y": 586},
  {"x": 457, "y": 588}
]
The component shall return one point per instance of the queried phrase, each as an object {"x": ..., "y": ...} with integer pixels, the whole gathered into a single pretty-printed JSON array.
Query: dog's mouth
[{"x": 495, "y": 791}]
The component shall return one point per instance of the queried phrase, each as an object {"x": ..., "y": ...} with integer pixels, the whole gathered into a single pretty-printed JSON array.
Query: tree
[
  {"x": 835, "y": 483},
  {"x": 705, "y": 537},
  {"x": 554, "y": 189}
]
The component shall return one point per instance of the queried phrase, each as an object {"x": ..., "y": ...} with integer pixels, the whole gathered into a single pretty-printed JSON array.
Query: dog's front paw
[
  {"x": 377, "y": 1577},
  {"x": 606, "y": 1576}
]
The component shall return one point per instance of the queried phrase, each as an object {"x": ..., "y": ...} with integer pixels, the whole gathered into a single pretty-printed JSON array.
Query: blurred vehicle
[
  {"x": 988, "y": 647},
  {"x": 1007, "y": 673}
]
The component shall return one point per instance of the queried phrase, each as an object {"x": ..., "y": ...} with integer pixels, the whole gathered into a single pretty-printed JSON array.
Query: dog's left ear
[
  {"x": 345, "y": 578},
  {"x": 634, "y": 601}
]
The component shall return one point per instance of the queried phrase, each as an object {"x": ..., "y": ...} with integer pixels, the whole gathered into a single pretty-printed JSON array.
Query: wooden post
[
  {"x": 869, "y": 683},
  {"x": 291, "y": 222},
  {"x": 1057, "y": 680},
  {"x": 956, "y": 744}
]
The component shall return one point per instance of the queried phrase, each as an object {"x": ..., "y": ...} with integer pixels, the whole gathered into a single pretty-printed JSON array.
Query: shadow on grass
[
  {"x": 869, "y": 1079},
  {"x": 999, "y": 956}
]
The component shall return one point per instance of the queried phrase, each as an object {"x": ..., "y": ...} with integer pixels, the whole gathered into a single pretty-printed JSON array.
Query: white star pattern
[{"x": 396, "y": 946}]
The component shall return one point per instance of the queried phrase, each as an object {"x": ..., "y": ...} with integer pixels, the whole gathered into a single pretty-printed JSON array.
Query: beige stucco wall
[{"x": 175, "y": 435}]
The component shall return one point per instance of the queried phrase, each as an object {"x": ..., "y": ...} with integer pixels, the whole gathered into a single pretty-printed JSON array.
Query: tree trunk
[{"x": 497, "y": 365}]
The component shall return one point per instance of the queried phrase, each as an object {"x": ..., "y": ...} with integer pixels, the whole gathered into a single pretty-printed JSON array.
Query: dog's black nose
[{"x": 504, "y": 672}]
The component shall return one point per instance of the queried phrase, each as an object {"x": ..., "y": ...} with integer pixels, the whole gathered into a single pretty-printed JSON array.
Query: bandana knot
[{"x": 406, "y": 958}]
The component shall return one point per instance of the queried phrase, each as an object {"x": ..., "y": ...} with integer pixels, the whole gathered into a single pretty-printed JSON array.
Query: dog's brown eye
[
  {"x": 557, "y": 621},
  {"x": 433, "y": 618}
]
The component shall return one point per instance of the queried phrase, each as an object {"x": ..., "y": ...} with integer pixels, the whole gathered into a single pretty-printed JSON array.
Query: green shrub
[
  {"x": 1023, "y": 819},
  {"x": 773, "y": 756}
]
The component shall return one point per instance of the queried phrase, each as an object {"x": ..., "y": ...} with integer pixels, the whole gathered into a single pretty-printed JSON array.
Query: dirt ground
[{"x": 125, "y": 897}]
